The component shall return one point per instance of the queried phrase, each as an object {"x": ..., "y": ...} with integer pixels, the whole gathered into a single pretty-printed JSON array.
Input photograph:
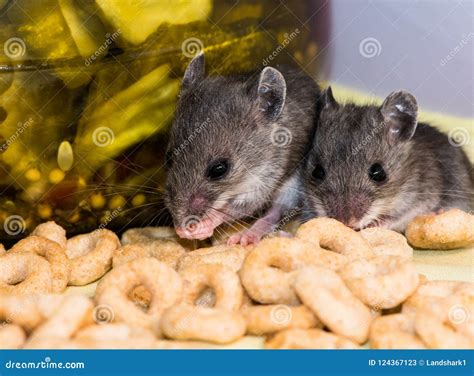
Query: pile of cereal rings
[{"x": 327, "y": 287}]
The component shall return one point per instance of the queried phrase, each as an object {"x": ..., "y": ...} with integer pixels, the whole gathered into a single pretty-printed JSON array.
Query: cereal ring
[
  {"x": 53, "y": 253},
  {"x": 222, "y": 280},
  {"x": 148, "y": 234},
  {"x": 264, "y": 319},
  {"x": 387, "y": 242},
  {"x": 115, "y": 333},
  {"x": 460, "y": 314},
  {"x": 28, "y": 310},
  {"x": 381, "y": 281},
  {"x": 186, "y": 322},
  {"x": 455, "y": 308},
  {"x": 308, "y": 339},
  {"x": 20, "y": 310},
  {"x": 23, "y": 273},
  {"x": 436, "y": 332},
  {"x": 333, "y": 235},
  {"x": 232, "y": 256},
  {"x": 52, "y": 231},
  {"x": 3, "y": 252},
  {"x": 325, "y": 293},
  {"x": 269, "y": 268},
  {"x": 74, "y": 313},
  {"x": 449, "y": 230},
  {"x": 11, "y": 337},
  {"x": 166, "y": 251},
  {"x": 430, "y": 294},
  {"x": 394, "y": 332},
  {"x": 90, "y": 255},
  {"x": 48, "y": 304},
  {"x": 163, "y": 282}
]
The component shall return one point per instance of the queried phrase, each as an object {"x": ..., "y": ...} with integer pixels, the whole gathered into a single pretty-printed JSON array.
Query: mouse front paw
[
  {"x": 250, "y": 237},
  {"x": 245, "y": 238}
]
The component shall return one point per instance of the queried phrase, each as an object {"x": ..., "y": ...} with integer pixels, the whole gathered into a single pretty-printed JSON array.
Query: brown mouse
[
  {"x": 236, "y": 146},
  {"x": 377, "y": 166}
]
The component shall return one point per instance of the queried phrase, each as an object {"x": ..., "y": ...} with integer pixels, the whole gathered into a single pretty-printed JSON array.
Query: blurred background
[{"x": 426, "y": 47}]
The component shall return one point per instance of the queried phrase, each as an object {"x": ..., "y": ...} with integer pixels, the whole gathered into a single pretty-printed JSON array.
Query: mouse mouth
[{"x": 198, "y": 228}]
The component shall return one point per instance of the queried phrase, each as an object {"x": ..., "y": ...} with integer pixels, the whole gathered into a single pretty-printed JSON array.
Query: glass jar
[{"x": 88, "y": 90}]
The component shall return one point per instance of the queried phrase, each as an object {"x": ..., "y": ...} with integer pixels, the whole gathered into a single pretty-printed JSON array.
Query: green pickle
[{"x": 88, "y": 90}]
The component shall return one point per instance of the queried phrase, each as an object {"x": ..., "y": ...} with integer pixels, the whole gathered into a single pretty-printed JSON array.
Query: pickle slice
[
  {"x": 130, "y": 116},
  {"x": 86, "y": 28},
  {"x": 137, "y": 20}
]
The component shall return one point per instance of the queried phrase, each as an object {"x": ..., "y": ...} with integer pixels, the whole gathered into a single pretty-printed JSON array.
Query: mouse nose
[
  {"x": 350, "y": 210},
  {"x": 198, "y": 203},
  {"x": 352, "y": 222},
  {"x": 346, "y": 218}
]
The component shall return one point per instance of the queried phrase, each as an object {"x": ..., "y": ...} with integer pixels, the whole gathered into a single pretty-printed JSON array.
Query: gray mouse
[
  {"x": 377, "y": 166},
  {"x": 236, "y": 146}
]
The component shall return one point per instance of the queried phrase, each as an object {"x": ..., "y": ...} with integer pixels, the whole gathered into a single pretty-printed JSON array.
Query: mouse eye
[
  {"x": 217, "y": 169},
  {"x": 318, "y": 173},
  {"x": 377, "y": 173}
]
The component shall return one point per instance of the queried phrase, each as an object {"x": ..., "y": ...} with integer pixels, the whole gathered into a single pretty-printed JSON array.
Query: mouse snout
[
  {"x": 198, "y": 203},
  {"x": 350, "y": 209}
]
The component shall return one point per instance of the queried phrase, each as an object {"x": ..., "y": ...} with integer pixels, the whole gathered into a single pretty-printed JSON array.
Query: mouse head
[
  {"x": 358, "y": 167},
  {"x": 220, "y": 156}
]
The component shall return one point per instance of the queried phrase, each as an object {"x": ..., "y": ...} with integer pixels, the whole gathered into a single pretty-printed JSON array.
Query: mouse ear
[
  {"x": 195, "y": 71},
  {"x": 327, "y": 99},
  {"x": 271, "y": 92},
  {"x": 400, "y": 114}
]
